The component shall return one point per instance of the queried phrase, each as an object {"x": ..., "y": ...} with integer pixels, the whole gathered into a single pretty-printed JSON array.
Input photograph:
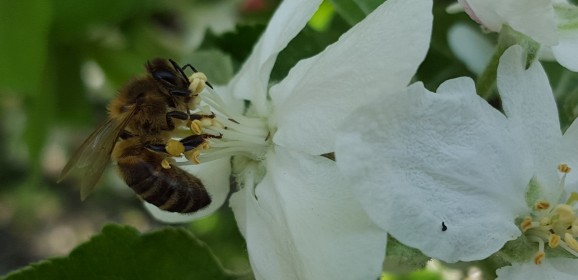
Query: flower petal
[
  {"x": 377, "y": 56},
  {"x": 533, "y": 18},
  {"x": 565, "y": 51},
  {"x": 215, "y": 178},
  {"x": 529, "y": 103},
  {"x": 305, "y": 223},
  {"x": 570, "y": 156},
  {"x": 252, "y": 81},
  {"x": 473, "y": 49},
  {"x": 550, "y": 268},
  {"x": 425, "y": 162}
]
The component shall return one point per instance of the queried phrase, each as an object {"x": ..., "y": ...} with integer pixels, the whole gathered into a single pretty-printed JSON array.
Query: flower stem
[{"x": 507, "y": 38}]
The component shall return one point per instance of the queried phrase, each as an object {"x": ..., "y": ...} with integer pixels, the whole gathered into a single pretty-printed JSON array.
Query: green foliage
[
  {"x": 238, "y": 43},
  {"x": 353, "y": 11},
  {"x": 121, "y": 252},
  {"x": 401, "y": 259},
  {"x": 24, "y": 28}
]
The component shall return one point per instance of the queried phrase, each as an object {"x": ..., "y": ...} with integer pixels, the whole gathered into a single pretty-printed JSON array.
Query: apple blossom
[
  {"x": 552, "y": 23},
  {"x": 448, "y": 174},
  {"x": 298, "y": 216}
]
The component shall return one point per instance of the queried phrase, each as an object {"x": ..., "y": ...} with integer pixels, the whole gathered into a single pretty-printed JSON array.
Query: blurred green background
[{"x": 61, "y": 62}]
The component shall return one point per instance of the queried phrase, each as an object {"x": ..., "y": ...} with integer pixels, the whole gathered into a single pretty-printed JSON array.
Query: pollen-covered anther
[
  {"x": 165, "y": 164},
  {"x": 526, "y": 223},
  {"x": 553, "y": 240},
  {"x": 174, "y": 148},
  {"x": 538, "y": 257},
  {"x": 193, "y": 156},
  {"x": 196, "y": 127},
  {"x": 564, "y": 168},
  {"x": 571, "y": 241},
  {"x": 197, "y": 82},
  {"x": 542, "y": 205}
]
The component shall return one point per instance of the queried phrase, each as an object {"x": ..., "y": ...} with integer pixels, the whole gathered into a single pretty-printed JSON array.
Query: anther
[
  {"x": 542, "y": 205},
  {"x": 193, "y": 156},
  {"x": 571, "y": 241},
  {"x": 174, "y": 148},
  {"x": 197, "y": 82},
  {"x": 564, "y": 168},
  {"x": 165, "y": 164},
  {"x": 538, "y": 257},
  {"x": 196, "y": 127},
  {"x": 553, "y": 240},
  {"x": 526, "y": 224}
]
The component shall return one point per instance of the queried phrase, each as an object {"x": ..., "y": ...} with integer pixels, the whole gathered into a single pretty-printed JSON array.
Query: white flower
[
  {"x": 450, "y": 175},
  {"x": 551, "y": 23},
  {"x": 297, "y": 214}
]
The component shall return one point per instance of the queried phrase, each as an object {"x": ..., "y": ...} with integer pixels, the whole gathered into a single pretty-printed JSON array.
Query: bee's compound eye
[{"x": 165, "y": 76}]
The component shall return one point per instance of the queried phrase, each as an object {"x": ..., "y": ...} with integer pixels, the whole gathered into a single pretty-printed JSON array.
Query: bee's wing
[{"x": 94, "y": 153}]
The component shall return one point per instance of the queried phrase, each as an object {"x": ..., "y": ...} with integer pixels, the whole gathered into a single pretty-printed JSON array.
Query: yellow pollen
[
  {"x": 165, "y": 164},
  {"x": 553, "y": 240},
  {"x": 571, "y": 241},
  {"x": 564, "y": 168},
  {"x": 539, "y": 257},
  {"x": 174, "y": 148},
  {"x": 526, "y": 224},
  {"x": 542, "y": 205}
]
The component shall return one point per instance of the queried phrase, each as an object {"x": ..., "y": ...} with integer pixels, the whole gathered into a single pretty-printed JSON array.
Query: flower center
[
  {"x": 217, "y": 131},
  {"x": 555, "y": 225}
]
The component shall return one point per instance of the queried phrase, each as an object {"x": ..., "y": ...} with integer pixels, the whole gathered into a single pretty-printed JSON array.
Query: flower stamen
[
  {"x": 227, "y": 132},
  {"x": 555, "y": 224}
]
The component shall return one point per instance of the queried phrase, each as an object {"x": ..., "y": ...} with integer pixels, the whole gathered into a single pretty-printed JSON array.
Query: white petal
[
  {"x": 252, "y": 81},
  {"x": 570, "y": 156},
  {"x": 533, "y": 18},
  {"x": 550, "y": 268},
  {"x": 420, "y": 159},
  {"x": 529, "y": 103},
  {"x": 306, "y": 223},
  {"x": 215, "y": 177},
  {"x": 377, "y": 56},
  {"x": 565, "y": 52},
  {"x": 470, "y": 46}
]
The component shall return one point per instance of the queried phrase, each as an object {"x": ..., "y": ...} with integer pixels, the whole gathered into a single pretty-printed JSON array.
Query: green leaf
[
  {"x": 121, "y": 252},
  {"x": 217, "y": 65},
  {"x": 238, "y": 43},
  {"x": 307, "y": 43},
  {"x": 353, "y": 11},
  {"x": 401, "y": 259},
  {"x": 24, "y": 27},
  {"x": 73, "y": 18}
]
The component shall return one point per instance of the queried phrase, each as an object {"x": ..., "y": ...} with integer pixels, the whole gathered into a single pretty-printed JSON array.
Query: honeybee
[{"x": 140, "y": 121}]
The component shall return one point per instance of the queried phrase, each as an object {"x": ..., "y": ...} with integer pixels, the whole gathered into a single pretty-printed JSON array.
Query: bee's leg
[
  {"x": 189, "y": 143},
  {"x": 181, "y": 93},
  {"x": 177, "y": 115},
  {"x": 193, "y": 117}
]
